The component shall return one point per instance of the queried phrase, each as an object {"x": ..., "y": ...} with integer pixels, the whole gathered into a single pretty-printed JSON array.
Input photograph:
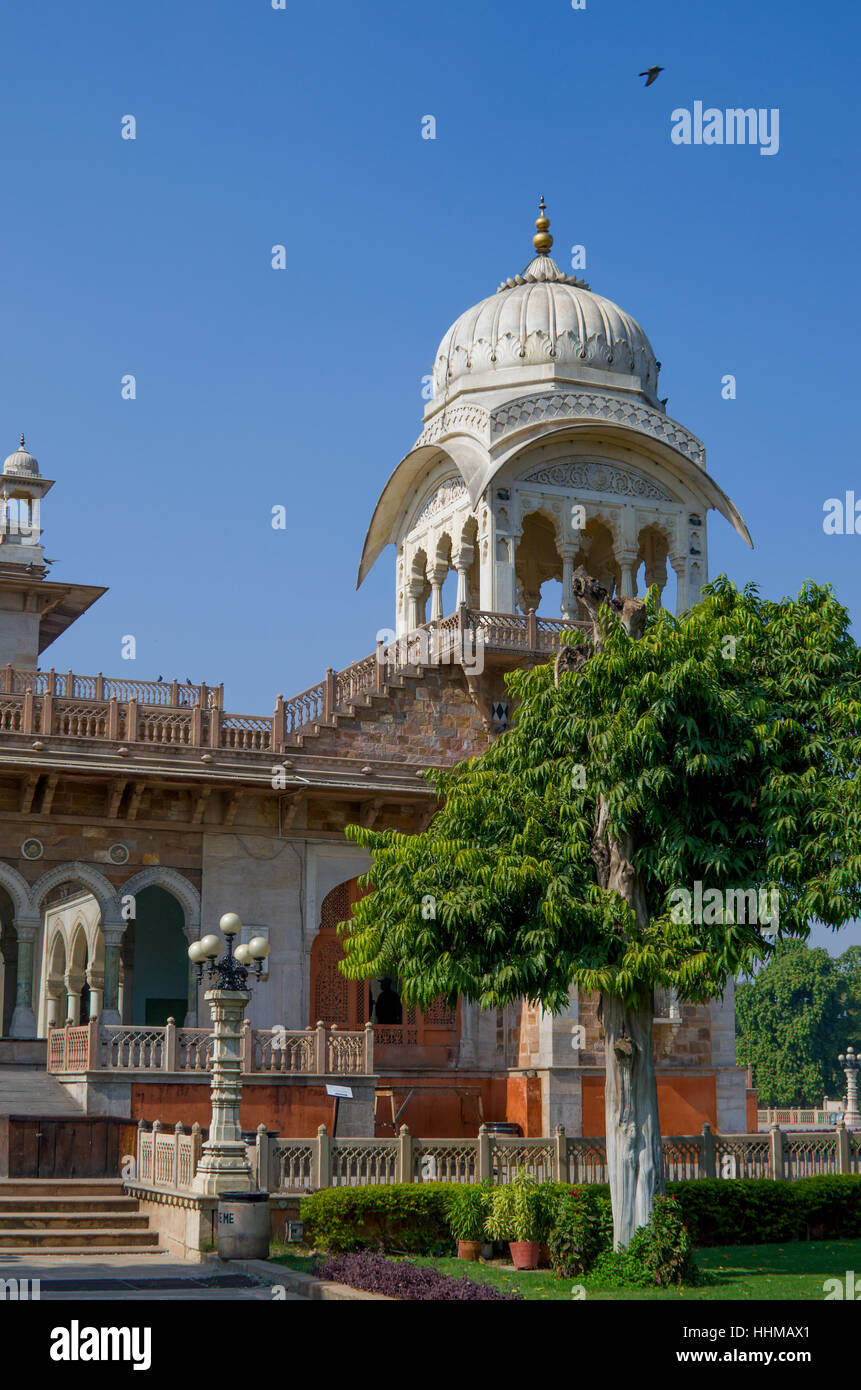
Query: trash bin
[{"x": 243, "y": 1226}]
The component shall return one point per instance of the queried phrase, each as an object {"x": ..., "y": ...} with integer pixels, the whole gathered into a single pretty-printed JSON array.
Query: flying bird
[{"x": 651, "y": 74}]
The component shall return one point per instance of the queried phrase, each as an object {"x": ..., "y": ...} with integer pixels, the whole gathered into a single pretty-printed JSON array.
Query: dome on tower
[
  {"x": 544, "y": 316},
  {"x": 21, "y": 462}
]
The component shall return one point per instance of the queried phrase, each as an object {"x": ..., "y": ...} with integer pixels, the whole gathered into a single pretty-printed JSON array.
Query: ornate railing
[
  {"x": 167, "y": 1158},
  {"x": 792, "y": 1117},
  {"x": 308, "y": 1164},
  {"x": 319, "y": 1051},
  {"x": 181, "y": 715}
]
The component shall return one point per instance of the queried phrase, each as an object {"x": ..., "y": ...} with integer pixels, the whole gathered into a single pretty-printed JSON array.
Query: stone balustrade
[
  {"x": 55, "y": 704},
  {"x": 286, "y": 1166},
  {"x": 143, "y": 1050}
]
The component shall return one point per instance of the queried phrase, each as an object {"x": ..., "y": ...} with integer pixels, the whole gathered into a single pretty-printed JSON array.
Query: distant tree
[
  {"x": 719, "y": 749},
  {"x": 792, "y": 1020}
]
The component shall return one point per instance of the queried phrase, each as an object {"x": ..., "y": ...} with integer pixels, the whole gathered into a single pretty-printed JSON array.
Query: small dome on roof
[{"x": 22, "y": 462}]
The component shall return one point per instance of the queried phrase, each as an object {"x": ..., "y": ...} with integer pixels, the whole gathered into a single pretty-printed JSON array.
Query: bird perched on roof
[{"x": 650, "y": 74}]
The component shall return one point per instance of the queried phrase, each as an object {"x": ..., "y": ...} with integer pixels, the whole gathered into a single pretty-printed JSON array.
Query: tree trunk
[{"x": 634, "y": 1155}]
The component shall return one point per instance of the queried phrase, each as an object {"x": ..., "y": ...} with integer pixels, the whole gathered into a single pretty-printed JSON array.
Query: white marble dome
[
  {"x": 21, "y": 462},
  {"x": 545, "y": 316}
]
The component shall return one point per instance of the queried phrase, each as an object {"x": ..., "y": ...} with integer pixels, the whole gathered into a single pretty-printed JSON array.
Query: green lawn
[{"x": 795, "y": 1271}]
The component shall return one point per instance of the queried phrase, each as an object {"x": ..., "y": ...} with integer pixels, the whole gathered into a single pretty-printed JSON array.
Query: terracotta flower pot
[
  {"x": 524, "y": 1253},
  {"x": 468, "y": 1249}
]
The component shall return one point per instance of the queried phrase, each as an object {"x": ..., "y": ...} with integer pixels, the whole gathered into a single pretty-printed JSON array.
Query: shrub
[
  {"x": 662, "y": 1249},
  {"x": 522, "y": 1209},
  {"x": 753, "y": 1211},
  {"x": 399, "y": 1279},
  {"x": 467, "y": 1210},
  {"x": 579, "y": 1233},
  {"x": 401, "y": 1217}
]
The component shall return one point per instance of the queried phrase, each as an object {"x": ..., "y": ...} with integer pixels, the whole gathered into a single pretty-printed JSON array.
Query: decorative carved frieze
[
  {"x": 594, "y": 405},
  {"x": 449, "y": 492},
  {"x": 472, "y": 418},
  {"x": 599, "y": 477}
]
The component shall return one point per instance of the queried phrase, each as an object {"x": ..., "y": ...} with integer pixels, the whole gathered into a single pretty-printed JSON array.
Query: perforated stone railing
[
  {"x": 167, "y": 1158},
  {"x": 319, "y": 1051},
  {"x": 181, "y": 715},
  {"x": 326, "y": 1162}
]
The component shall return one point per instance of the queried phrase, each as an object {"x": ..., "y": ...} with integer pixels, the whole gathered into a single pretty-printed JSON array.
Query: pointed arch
[
  {"x": 18, "y": 889},
  {"x": 85, "y": 875},
  {"x": 174, "y": 883}
]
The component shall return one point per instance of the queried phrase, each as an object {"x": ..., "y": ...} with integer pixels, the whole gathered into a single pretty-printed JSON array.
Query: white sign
[{"x": 343, "y": 1092}]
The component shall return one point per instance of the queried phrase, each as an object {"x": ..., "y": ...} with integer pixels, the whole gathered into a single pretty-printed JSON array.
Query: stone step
[
  {"x": 143, "y": 1252},
  {"x": 72, "y": 1221},
  {"x": 49, "y": 1206},
  {"x": 60, "y": 1187},
  {"x": 81, "y": 1237}
]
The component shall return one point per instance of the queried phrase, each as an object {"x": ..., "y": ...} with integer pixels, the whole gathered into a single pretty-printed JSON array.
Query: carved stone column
[
  {"x": 415, "y": 594},
  {"x": 679, "y": 562},
  {"x": 569, "y": 605},
  {"x": 462, "y": 561},
  {"x": 224, "y": 1166},
  {"x": 436, "y": 574},
  {"x": 113, "y": 934},
  {"x": 23, "y": 1024},
  {"x": 627, "y": 565}
]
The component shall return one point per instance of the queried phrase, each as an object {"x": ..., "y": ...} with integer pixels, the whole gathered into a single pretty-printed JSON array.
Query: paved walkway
[
  {"x": 31, "y": 1091},
  {"x": 124, "y": 1277}
]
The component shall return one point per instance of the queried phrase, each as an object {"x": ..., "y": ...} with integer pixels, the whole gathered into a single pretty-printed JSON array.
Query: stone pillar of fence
[
  {"x": 484, "y": 1164},
  {"x": 708, "y": 1166},
  {"x": 169, "y": 1053},
  {"x": 196, "y": 1146},
  {"x": 263, "y": 1152},
  {"x": 177, "y": 1131},
  {"x": 321, "y": 1159},
  {"x": 369, "y": 1048},
  {"x": 94, "y": 1061},
  {"x": 775, "y": 1153},
  {"x": 247, "y": 1047},
  {"x": 320, "y": 1040},
  {"x": 843, "y": 1160},
  {"x": 560, "y": 1154},
  {"x": 404, "y": 1156}
]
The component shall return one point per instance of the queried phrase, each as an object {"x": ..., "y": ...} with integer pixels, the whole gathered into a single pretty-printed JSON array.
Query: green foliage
[
  {"x": 739, "y": 771},
  {"x": 399, "y": 1217},
  {"x": 467, "y": 1210},
  {"x": 415, "y": 1217},
  {"x": 749, "y": 1211},
  {"x": 663, "y": 1248},
  {"x": 522, "y": 1209},
  {"x": 794, "y": 1018},
  {"x": 582, "y": 1230}
]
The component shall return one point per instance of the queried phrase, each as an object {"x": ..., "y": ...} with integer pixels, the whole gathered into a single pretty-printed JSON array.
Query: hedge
[{"x": 411, "y": 1217}]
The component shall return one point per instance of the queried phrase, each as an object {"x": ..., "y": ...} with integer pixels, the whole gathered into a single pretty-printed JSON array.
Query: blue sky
[{"x": 257, "y": 387}]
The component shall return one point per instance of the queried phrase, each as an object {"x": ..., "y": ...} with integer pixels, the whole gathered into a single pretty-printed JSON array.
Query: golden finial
[
  {"x": 21, "y": 445},
  {"x": 542, "y": 241}
]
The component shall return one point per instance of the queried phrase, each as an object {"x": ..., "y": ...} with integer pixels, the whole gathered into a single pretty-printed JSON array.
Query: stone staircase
[
  {"x": 28, "y": 1090},
  {"x": 72, "y": 1216}
]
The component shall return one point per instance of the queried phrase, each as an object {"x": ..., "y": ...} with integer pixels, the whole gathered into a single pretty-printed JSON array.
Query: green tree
[
  {"x": 792, "y": 1021},
  {"x": 722, "y": 747}
]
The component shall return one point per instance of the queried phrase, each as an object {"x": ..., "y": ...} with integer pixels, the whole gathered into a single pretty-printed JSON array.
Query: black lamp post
[{"x": 231, "y": 971}]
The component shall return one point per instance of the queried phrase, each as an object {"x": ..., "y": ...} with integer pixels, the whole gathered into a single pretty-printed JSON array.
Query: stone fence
[
  {"x": 125, "y": 1048},
  {"x": 289, "y": 1166},
  {"x": 304, "y": 1165},
  {"x": 791, "y": 1117},
  {"x": 56, "y": 704}
]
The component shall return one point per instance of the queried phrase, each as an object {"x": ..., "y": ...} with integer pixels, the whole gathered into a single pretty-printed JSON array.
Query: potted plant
[
  {"x": 467, "y": 1211},
  {"x": 518, "y": 1213}
]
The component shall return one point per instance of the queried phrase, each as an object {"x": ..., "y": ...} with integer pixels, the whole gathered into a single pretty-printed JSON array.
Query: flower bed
[{"x": 374, "y": 1273}]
